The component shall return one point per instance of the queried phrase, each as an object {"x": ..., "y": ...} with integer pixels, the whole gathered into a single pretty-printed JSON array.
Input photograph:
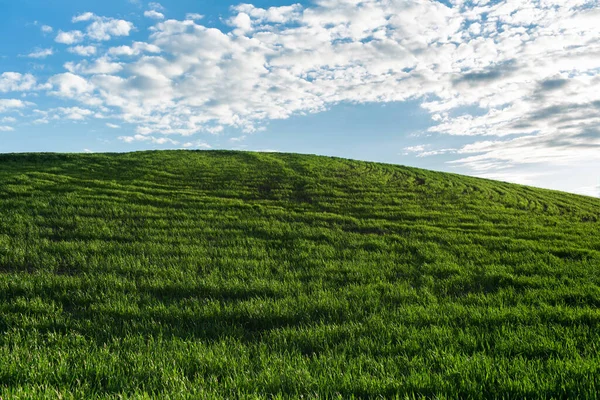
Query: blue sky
[{"x": 506, "y": 90}]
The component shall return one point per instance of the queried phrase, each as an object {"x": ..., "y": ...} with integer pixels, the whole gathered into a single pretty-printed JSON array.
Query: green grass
[{"x": 219, "y": 274}]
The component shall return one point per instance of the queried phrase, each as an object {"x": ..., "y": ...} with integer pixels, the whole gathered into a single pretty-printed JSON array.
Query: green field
[{"x": 183, "y": 274}]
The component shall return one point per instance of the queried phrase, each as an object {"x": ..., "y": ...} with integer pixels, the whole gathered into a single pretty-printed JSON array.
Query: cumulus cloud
[
  {"x": 86, "y": 16},
  {"x": 82, "y": 50},
  {"x": 64, "y": 113},
  {"x": 135, "y": 49},
  {"x": 47, "y": 29},
  {"x": 70, "y": 37},
  {"x": 74, "y": 113},
  {"x": 7, "y": 105},
  {"x": 277, "y": 62},
  {"x": 153, "y": 14},
  {"x": 16, "y": 82},
  {"x": 519, "y": 80},
  {"x": 100, "y": 28},
  {"x": 73, "y": 86}
]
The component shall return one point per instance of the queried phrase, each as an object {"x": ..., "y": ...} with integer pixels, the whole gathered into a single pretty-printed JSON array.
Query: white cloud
[
  {"x": 198, "y": 144},
  {"x": 475, "y": 28},
  {"x": 242, "y": 22},
  {"x": 47, "y": 29},
  {"x": 82, "y": 50},
  {"x": 16, "y": 82},
  {"x": 86, "y": 16},
  {"x": 523, "y": 74},
  {"x": 237, "y": 139},
  {"x": 71, "y": 37},
  {"x": 74, "y": 113},
  {"x": 41, "y": 117},
  {"x": 214, "y": 129},
  {"x": 4, "y": 128},
  {"x": 101, "y": 65},
  {"x": 283, "y": 14},
  {"x": 553, "y": 148},
  {"x": 41, "y": 53},
  {"x": 153, "y": 14},
  {"x": 127, "y": 139},
  {"x": 194, "y": 16},
  {"x": 103, "y": 28},
  {"x": 8, "y": 120},
  {"x": 113, "y": 126},
  {"x": 135, "y": 49},
  {"x": 13, "y": 104},
  {"x": 145, "y": 138},
  {"x": 156, "y": 6},
  {"x": 71, "y": 86},
  {"x": 422, "y": 151},
  {"x": 415, "y": 149}
]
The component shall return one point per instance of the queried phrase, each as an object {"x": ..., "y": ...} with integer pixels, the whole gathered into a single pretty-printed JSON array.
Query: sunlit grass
[{"x": 244, "y": 275}]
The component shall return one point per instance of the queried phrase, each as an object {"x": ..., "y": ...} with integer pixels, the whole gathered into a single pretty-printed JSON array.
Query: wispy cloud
[
  {"x": 194, "y": 16},
  {"x": 198, "y": 144},
  {"x": 156, "y": 6},
  {"x": 146, "y": 138},
  {"x": 41, "y": 53},
  {"x": 237, "y": 139}
]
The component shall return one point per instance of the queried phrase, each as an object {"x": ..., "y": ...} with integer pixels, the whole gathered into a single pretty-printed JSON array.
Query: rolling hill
[{"x": 218, "y": 274}]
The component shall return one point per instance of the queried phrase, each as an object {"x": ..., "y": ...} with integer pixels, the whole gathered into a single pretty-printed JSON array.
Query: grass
[{"x": 181, "y": 274}]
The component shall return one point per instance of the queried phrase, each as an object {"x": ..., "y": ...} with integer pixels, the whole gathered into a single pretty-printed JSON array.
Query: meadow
[{"x": 220, "y": 274}]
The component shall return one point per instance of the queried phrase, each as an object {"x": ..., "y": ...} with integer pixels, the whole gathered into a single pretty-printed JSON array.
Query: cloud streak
[{"x": 41, "y": 53}]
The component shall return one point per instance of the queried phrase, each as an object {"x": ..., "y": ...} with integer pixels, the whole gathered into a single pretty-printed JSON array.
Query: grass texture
[{"x": 217, "y": 274}]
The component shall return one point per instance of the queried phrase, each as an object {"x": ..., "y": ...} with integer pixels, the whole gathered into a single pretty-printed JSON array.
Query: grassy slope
[{"x": 226, "y": 274}]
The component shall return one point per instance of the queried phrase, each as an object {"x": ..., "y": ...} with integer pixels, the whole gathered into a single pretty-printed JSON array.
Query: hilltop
[{"x": 220, "y": 274}]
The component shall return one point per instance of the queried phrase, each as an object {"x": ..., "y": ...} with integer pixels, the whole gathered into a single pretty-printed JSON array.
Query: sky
[{"x": 500, "y": 89}]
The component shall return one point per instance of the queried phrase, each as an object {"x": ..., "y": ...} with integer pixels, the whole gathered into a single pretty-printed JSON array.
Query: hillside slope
[{"x": 181, "y": 274}]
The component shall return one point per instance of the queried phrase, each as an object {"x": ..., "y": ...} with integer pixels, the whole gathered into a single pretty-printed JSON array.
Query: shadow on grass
[{"x": 167, "y": 312}]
